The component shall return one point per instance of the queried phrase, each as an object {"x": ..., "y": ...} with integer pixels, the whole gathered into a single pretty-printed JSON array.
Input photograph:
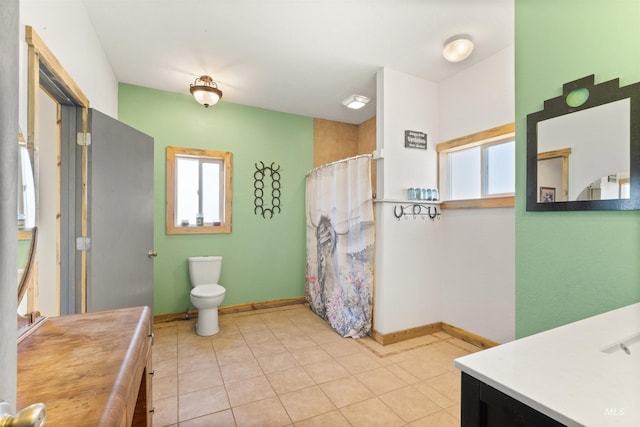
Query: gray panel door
[{"x": 119, "y": 268}]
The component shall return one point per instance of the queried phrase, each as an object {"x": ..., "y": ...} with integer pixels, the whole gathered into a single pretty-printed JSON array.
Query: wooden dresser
[{"x": 90, "y": 369}]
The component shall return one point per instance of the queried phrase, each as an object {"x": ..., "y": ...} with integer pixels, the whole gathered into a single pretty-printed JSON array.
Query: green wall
[
  {"x": 572, "y": 265},
  {"x": 263, "y": 259}
]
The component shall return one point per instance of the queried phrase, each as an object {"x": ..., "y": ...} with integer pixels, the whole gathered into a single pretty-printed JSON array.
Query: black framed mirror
[{"x": 583, "y": 149}]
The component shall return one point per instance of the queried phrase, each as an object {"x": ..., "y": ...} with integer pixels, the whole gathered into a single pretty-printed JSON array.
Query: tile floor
[{"x": 286, "y": 367}]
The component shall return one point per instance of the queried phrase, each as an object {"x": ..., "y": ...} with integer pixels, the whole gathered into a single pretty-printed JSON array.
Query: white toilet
[{"x": 206, "y": 294}]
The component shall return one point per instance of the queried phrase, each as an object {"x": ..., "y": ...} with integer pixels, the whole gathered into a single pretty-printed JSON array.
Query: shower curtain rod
[{"x": 337, "y": 162}]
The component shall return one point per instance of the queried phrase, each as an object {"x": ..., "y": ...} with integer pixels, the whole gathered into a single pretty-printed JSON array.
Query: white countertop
[{"x": 565, "y": 374}]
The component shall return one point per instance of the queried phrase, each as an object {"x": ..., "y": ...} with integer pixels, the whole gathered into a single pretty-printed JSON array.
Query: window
[
  {"x": 198, "y": 191},
  {"x": 478, "y": 170}
]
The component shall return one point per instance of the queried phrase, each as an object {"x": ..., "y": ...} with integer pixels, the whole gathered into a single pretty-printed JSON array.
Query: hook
[
  {"x": 398, "y": 213},
  {"x": 435, "y": 213}
]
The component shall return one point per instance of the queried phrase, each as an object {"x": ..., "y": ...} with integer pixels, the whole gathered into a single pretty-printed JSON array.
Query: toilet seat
[{"x": 208, "y": 291}]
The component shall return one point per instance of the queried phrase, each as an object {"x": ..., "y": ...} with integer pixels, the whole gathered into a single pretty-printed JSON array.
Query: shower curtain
[{"x": 340, "y": 245}]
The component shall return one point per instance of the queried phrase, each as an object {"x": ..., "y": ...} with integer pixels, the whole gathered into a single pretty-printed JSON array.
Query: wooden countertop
[{"x": 85, "y": 368}]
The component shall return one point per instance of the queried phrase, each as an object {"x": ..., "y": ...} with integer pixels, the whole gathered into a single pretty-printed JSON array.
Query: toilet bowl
[{"x": 206, "y": 294}]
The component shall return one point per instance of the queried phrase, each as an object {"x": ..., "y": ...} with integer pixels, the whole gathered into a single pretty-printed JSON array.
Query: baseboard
[
  {"x": 454, "y": 331},
  {"x": 406, "y": 334},
  {"x": 469, "y": 337},
  {"x": 237, "y": 308},
  {"x": 229, "y": 309}
]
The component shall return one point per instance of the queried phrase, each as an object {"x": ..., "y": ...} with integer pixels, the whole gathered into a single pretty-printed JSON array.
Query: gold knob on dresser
[{"x": 31, "y": 416}]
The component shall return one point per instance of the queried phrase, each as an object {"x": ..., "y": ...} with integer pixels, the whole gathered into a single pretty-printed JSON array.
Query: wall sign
[{"x": 415, "y": 139}]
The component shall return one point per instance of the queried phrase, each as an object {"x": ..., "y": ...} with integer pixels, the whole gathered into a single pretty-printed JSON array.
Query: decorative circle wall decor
[{"x": 270, "y": 174}]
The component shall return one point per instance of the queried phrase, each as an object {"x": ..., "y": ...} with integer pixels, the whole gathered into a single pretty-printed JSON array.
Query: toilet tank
[{"x": 205, "y": 270}]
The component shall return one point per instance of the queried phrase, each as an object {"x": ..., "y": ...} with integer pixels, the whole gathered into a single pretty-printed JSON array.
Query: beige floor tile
[
  {"x": 193, "y": 343},
  {"x": 165, "y": 411},
  {"x": 309, "y": 355},
  {"x": 228, "y": 341},
  {"x": 424, "y": 368},
  {"x": 433, "y": 395},
  {"x": 165, "y": 338},
  {"x": 251, "y": 390},
  {"x": 234, "y": 355},
  {"x": 240, "y": 371},
  {"x": 409, "y": 403},
  {"x": 164, "y": 352},
  {"x": 343, "y": 347},
  {"x": 259, "y": 337},
  {"x": 403, "y": 374},
  {"x": 164, "y": 368},
  {"x": 454, "y": 410},
  {"x": 306, "y": 403},
  {"x": 470, "y": 348},
  {"x": 438, "y": 419},
  {"x": 331, "y": 419},
  {"x": 202, "y": 402},
  {"x": 360, "y": 362},
  {"x": 277, "y": 362},
  {"x": 200, "y": 379},
  {"x": 264, "y": 413},
  {"x": 197, "y": 362},
  {"x": 297, "y": 342},
  {"x": 263, "y": 364},
  {"x": 289, "y": 380},
  {"x": 345, "y": 391},
  {"x": 266, "y": 348},
  {"x": 448, "y": 385},
  {"x": 325, "y": 371},
  {"x": 326, "y": 336},
  {"x": 371, "y": 413},
  {"x": 164, "y": 387},
  {"x": 381, "y": 380},
  {"x": 219, "y": 419}
]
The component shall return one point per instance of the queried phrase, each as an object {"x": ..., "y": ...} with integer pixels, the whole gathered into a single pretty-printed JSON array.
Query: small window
[
  {"x": 478, "y": 167},
  {"x": 198, "y": 191}
]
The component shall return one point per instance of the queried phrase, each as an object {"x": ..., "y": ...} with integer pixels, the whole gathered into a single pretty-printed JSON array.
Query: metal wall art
[{"x": 262, "y": 177}]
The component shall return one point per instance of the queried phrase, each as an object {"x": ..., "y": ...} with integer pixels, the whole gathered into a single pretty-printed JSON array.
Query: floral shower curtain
[{"x": 340, "y": 245}]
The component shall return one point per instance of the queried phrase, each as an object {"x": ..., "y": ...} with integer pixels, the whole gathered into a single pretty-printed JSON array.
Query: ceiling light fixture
[
  {"x": 356, "y": 102},
  {"x": 205, "y": 91},
  {"x": 458, "y": 48}
]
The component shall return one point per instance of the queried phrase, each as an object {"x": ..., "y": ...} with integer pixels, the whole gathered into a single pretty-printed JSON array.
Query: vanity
[
  {"x": 91, "y": 369},
  {"x": 586, "y": 373}
]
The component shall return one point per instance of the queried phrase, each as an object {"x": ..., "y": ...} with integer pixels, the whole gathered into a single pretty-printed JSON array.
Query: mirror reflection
[
  {"x": 596, "y": 143},
  {"x": 583, "y": 148}
]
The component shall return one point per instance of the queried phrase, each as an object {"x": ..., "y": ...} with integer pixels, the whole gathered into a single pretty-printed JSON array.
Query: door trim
[{"x": 40, "y": 58}]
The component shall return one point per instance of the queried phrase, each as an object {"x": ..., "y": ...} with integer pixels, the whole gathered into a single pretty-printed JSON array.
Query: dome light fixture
[
  {"x": 356, "y": 102},
  {"x": 205, "y": 91},
  {"x": 458, "y": 48}
]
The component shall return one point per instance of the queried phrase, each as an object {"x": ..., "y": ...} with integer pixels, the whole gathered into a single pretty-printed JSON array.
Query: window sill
[
  {"x": 202, "y": 229},
  {"x": 489, "y": 202}
]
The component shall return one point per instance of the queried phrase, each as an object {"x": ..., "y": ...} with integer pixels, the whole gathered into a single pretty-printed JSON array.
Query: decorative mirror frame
[{"x": 599, "y": 94}]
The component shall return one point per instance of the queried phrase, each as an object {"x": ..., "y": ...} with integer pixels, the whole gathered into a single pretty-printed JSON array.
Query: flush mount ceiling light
[
  {"x": 205, "y": 91},
  {"x": 458, "y": 48},
  {"x": 356, "y": 102}
]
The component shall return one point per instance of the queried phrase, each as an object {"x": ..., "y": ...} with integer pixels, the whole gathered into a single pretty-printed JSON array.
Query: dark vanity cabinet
[{"x": 484, "y": 406}]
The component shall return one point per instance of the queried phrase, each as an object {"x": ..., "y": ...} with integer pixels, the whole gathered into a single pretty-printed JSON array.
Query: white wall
[
  {"x": 460, "y": 269},
  {"x": 65, "y": 28},
  {"x": 477, "y": 252},
  {"x": 407, "y": 249}
]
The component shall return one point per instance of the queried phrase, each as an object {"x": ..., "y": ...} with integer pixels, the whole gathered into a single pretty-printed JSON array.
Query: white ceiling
[{"x": 296, "y": 56}]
